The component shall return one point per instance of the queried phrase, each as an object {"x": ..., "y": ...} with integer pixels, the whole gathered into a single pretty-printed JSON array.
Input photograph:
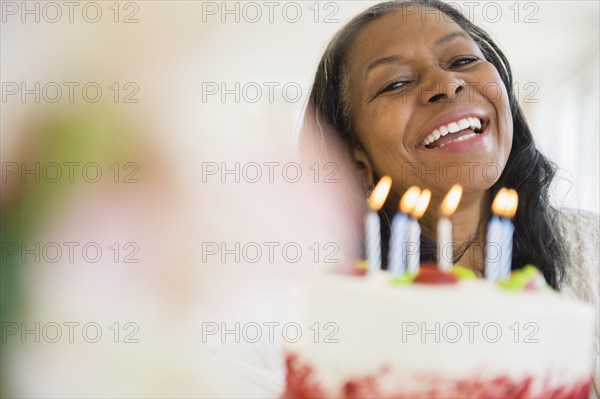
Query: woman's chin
[
  {"x": 475, "y": 170},
  {"x": 474, "y": 175}
]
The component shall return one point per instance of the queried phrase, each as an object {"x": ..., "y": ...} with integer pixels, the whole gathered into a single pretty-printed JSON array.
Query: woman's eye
[
  {"x": 464, "y": 61},
  {"x": 397, "y": 84}
]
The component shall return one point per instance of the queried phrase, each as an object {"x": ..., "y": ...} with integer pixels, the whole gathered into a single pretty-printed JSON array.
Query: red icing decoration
[
  {"x": 302, "y": 384},
  {"x": 299, "y": 381},
  {"x": 429, "y": 273}
]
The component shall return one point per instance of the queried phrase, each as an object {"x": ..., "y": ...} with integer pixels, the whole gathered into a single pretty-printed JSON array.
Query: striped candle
[
  {"x": 414, "y": 232},
  {"x": 493, "y": 241},
  {"x": 373, "y": 225},
  {"x": 500, "y": 235},
  {"x": 373, "y": 240},
  {"x": 397, "y": 258},
  {"x": 444, "y": 227},
  {"x": 508, "y": 231}
]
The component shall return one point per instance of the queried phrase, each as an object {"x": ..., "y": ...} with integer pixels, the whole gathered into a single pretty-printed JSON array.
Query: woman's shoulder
[
  {"x": 580, "y": 221},
  {"x": 580, "y": 232}
]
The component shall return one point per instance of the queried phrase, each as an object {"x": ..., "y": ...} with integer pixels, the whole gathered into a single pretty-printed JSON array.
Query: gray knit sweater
[{"x": 581, "y": 232}]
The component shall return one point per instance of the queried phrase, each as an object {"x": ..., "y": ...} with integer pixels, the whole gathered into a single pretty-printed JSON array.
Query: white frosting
[{"x": 377, "y": 322}]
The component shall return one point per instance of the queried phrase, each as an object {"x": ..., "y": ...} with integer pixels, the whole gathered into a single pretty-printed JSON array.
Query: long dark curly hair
[{"x": 537, "y": 239}]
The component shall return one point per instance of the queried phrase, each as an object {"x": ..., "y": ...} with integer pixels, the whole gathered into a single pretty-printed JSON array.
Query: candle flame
[
  {"x": 409, "y": 200},
  {"x": 505, "y": 204},
  {"x": 380, "y": 193},
  {"x": 500, "y": 202},
  {"x": 512, "y": 203},
  {"x": 422, "y": 204},
  {"x": 451, "y": 200}
]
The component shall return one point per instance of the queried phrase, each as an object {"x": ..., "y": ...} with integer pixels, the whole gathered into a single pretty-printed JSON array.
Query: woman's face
[{"x": 419, "y": 87}]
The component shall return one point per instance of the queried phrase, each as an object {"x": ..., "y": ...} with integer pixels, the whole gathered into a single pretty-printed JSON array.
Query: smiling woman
[
  {"x": 412, "y": 93},
  {"x": 412, "y": 88}
]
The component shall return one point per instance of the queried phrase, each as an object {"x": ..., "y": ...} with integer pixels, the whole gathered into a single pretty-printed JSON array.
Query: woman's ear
[{"x": 364, "y": 165}]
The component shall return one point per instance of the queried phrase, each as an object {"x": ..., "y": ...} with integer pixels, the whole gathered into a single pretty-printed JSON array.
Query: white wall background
[{"x": 558, "y": 56}]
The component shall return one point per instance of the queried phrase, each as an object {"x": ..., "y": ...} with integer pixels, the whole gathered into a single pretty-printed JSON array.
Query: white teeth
[
  {"x": 453, "y": 127},
  {"x": 432, "y": 137},
  {"x": 464, "y": 138},
  {"x": 474, "y": 123}
]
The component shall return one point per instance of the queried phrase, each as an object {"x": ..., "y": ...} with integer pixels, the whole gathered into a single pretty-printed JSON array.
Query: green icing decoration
[
  {"x": 512, "y": 284},
  {"x": 463, "y": 273},
  {"x": 404, "y": 279},
  {"x": 529, "y": 277}
]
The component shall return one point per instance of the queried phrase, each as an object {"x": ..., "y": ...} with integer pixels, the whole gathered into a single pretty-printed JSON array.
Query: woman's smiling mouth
[{"x": 457, "y": 130}]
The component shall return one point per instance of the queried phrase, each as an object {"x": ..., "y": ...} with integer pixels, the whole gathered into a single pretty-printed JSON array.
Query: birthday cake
[{"x": 439, "y": 336}]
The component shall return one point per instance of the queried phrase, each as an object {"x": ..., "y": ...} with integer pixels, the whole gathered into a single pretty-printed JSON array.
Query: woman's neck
[{"x": 468, "y": 229}]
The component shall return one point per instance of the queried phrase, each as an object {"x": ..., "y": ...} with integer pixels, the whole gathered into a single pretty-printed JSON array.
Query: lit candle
[
  {"x": 397, "y": 256},
  {"x": 494, "y": 239},
  {"x": 444, "y": 227},
  {"x": 508, "y": 230},
  {"x": 372, "y": 224},
  {"x": 414, "y": 232}
]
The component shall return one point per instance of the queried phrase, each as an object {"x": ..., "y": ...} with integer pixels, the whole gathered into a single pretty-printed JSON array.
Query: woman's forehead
[{"x": 400, "y": 33}]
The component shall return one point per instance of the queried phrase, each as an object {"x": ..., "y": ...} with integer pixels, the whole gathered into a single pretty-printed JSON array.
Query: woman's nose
[{"x": 441, "y": 85}]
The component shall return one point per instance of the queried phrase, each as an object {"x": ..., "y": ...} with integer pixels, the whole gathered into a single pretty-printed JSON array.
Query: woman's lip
[{"x": 460, "y": 146}]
